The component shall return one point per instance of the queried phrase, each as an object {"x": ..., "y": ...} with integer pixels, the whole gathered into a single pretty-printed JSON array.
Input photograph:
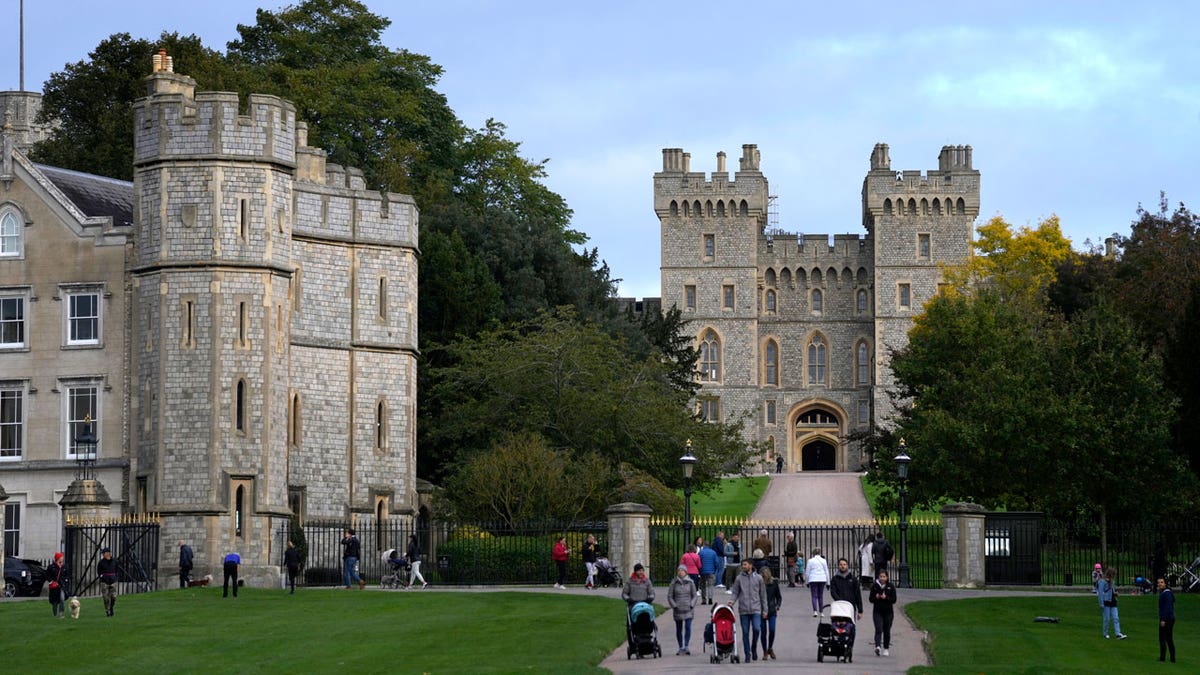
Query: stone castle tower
[
  {"x": 793, "y": 328},
  {"x": 273, "y": 328}
]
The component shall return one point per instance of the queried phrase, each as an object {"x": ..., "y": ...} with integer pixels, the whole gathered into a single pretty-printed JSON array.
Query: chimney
[{"x": 721, "y": 162}]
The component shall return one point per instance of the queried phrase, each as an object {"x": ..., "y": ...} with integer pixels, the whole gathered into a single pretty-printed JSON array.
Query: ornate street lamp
[
  {"x": 902, "y": 460},
  {"x": 688, "y": 462},
  {"x": 85, "y": 451}
]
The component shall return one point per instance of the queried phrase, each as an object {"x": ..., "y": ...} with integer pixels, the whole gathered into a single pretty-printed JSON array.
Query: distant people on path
[
  {"x": 774, "y": 602},
  {"x": 844, "y": 586},
  {"x": 883, "y": 603},
  {"x": 763, "y": 543},
  {"x": 413, "y": 553},
  {"x": 1107, "y": 596},
  {"x": 637, "y": 587},
  {"x": 1166, "y": 620},
  {"x": 59, "y": 578},
  {"x": 790, "y": 552},
  {"x": 691, "y": 560},
  {"x": 681, "y": 598},
  {"x": 710, "y": 566},
  {"x": 750, "y": 599},
  {"x": 779, "y": 464},
  {"x": 106, "y": 569},
  {"x": 351, "y": 552},
  {"x": 733, "y": 558},
  {"x": 588, "y": 555},
  {"x": 232, "y": 566},
  {"x": 816, "y": 573},
  {"x": 291, "y": 561},
  {"x": 560, "y": 555},
  {"x": 185, "y": 564},
  {"x": 866, "y": 561},
  {"x": 881, "y": 553}
]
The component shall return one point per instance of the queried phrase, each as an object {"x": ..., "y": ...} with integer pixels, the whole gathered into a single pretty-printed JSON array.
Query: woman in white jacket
[{"x": 817, "y": 575}]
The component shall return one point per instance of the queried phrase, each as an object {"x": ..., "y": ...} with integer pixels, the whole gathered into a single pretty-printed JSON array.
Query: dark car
[{"x": 22, "y": 577}]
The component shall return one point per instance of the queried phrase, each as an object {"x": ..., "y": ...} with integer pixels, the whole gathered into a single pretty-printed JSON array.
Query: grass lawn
[
  {"x": 998, "y": 635},
  {"x": 872, "y": 491},
  {"x": 732, "y": 498},
  {"x": 319, "y": 630}
]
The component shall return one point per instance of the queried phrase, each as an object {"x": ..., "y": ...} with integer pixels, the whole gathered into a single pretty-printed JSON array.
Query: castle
[
  {"x": 794, "y": 330},
  {"x": 237, "y": 325}
]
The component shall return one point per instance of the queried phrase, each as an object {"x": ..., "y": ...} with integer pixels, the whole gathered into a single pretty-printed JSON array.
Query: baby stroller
[
  {"x": 1188, "y": 577},
  {"x": 642, "y": 632},
  {"x": 721, "y": 635},
  {"x": 396, "y": 575},
  {"x": 836, "y": 638},
  {"x": 606, "y": 573}
]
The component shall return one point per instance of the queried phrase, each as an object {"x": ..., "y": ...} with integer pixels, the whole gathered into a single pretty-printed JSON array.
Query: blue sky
[{"x": 1080, "y": 109}]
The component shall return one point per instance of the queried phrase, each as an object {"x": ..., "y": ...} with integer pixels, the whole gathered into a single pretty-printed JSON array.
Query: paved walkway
[{"x": 813, "y": 496}]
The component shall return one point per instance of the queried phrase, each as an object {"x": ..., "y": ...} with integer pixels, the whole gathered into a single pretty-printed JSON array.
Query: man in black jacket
[
  {"x": 185, "y": 564},
  {"x": 107, "y": 569},
  {"x": 351, "y": 552},
  {"x": 844, "y": 586}
]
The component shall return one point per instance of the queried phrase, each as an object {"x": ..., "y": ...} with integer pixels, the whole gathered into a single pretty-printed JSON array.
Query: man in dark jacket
[
  {"x": 107, "y": 570},
  {"x": 351, "y": 552},
  {"x": 844, "y": 586},
  {"x": 790, "y": 552},
  {"x": 1166, "y": 621},
  {"x": 881, "y": 553},
  {"x": 185, "y": 564}
]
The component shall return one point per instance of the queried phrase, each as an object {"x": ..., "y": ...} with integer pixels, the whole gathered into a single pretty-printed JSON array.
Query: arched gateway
[{"x": 816, "y": 438}]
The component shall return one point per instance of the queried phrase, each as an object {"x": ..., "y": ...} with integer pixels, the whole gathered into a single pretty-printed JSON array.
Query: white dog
[{"x": 74, "y": 605}]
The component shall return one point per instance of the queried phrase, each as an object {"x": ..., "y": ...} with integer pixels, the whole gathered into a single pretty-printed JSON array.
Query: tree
[{"x": 1020, "y": 264}]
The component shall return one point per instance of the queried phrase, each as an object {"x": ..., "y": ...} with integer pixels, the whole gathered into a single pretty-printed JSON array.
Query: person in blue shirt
[
  {"x": 233, "y": 566},
  {"x": 1166, "y": 621},
  {"x": 710, "y": 566}
]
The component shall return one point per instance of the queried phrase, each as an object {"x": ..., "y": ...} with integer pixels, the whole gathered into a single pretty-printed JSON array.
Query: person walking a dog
[
  {"x": 107, "y": 570},
  {"x": 185, "y": 564},
  {"x": 60, "y": 584},
  {"x": 232, "y": 568},
  {"x": 351, "y": 552}
]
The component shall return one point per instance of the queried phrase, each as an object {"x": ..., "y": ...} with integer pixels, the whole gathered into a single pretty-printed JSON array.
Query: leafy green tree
[
  {"x": 1182, "y": 367},
  {"x": 1019, "y": 263}
]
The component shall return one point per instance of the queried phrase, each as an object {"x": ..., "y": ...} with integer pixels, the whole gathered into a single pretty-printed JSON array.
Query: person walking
[
  {"x": 291, "y": 561},
  {"x": 866, "y": 561},
  {"x": 185, "y": 564},
  {"x": 232, "y": 567},
  {"x": 637, "y": 587},
  {"x": 413, "y": 553},
  {"x": 733, "y": 558},
  {"x": 844, "y": 586},
  {"x": 718, "y": 547},
  {"x": 779, "y": 464},
  {"x": 681, "y": 598},
  {"x": 883, "y": 604},
  {"x": 763, "y": 543},
  {"x": 691, "y": 560},
  {"x": 106, "y": 569},
  {"x": 710, "y": 566},
  {"x": 1166, "y": 620},
  {"x": 560, "y": 555},
  {"x": 351, "y": 552},
  {"x": 881, "y": 553},
  {"x": 790, "y": 552},
  {"x": 750, "y": 599},
  {"x": 588, "y": 555},
  {"x": 1107, "y": 596},
  {"x": 59, "y": 577},
  {"x": 774, "y": 602},
  {"x": 817, "y": 575}
]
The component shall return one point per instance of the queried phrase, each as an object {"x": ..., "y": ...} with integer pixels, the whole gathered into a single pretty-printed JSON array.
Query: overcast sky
[{"x": 1080, "y": 109}]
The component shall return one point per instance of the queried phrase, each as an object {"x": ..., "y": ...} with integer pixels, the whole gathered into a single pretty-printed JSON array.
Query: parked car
[{"x": 23, "y": 577}]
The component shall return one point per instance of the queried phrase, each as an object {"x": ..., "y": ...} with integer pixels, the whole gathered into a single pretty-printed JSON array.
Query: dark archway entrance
[{"x": 818, "y": 456}]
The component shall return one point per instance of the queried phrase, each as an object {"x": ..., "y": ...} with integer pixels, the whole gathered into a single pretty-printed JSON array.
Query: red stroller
[{"x": 721, "y": 635}]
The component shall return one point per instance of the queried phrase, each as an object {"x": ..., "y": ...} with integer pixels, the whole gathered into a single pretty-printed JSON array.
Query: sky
[{"x": 1085, "y": 110}]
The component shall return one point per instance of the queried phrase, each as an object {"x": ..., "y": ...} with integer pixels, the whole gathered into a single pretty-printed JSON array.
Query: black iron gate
[
  {"x": 133, "y": 541},
  {"x": 1013, "y": 548}
]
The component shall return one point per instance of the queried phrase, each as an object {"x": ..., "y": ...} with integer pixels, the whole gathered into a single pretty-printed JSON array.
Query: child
[
  {"x": 681, "y": 596},
  {"x": 1097, "y": 575}
]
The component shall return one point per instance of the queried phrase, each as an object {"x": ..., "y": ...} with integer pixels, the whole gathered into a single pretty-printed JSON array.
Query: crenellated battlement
[
  {"x": 679, "y": 191},
  {"x": 950, "y": 190}
]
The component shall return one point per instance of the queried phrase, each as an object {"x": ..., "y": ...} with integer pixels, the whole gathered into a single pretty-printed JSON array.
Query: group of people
[
  {"x": 845, "y": 585},
  {"x": 1105, "y": 588},
  {"x": 58, "y": 578}
]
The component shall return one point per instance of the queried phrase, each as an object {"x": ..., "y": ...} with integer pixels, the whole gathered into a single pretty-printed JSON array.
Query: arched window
[
  {"x": 770, "y": 300},
  {"x": 687, "y": 208},
  {"x": 769, "y": 276},
  {"x": 862, "y": 301},
  {"x": 817, "y": 301},
  {"x": 924, "y": 206},
  {"x": 816, "y": 360},
  {"x": 10, "y": 234},
  {"x": 696, "y": 209},
  {"x": 785, "y": 277},
  {"x": 937, "y": 207},
  {"x": 912, "y": 206},
  {"x": 674, "y": 207},
  {"x": 239, "y": 406},
  {"x": 815, "y": 277},
  {"x": 771, "y": 363},
  {"x": 710, "y": 357},
  {"x": 708, "y": 208},
  {"x": 961, "y": 207},
  {"x": 862, "y": 364},
  {"x": 721, "y": 209},
  {"x": 887, "y": 206},
  {"x": 745, "y": 208},
  {"x": 381, "y": 425}
]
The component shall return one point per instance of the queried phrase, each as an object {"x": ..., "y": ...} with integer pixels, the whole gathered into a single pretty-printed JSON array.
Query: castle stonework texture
[
  {"x": 265, "y": 316},
  {"x": 794, "y": 330}
]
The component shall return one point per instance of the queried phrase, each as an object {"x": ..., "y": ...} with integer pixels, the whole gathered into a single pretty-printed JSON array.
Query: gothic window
[
  {"x": 710, "y": 246},
  {"x": 961, "y": 207},
  {"x": 785, "y": 277},
  {"x": 771, "y": 363},
  {"x": 727, "y": 296},
  {"x": 769, "y": 277},
  {"x": 696, "y": 208},
  {"x": 770, "y": 301},
  {"x": 861, "y": 301},
  {"x": 10, "y": 234},
  {"x": 710, "y": 357},
  {"x": 887, "y": 206},
  {"x": 745, "y": 209},
  {"x": 816, "y": 360},
  {"x": 923, "y": 247},
  {"x": 708, "y": 208},
  {"x": 721, "y": 209},
  {"x": 770, "y": 412},
  {"x": 904, "y": 296},
  {"x": 937, "y": 207},
  {"x": 687, "y": 208},
  {"x": 239, "y": 510},
  {"x": 689, "y": 297},
  {"x": 674, "y": 207},
  {"x": 862, "y": 364},
  {"x": 817, "y": 301},
  {"x": 912, "y": 206},
  {"x": 924, "y": 207}
]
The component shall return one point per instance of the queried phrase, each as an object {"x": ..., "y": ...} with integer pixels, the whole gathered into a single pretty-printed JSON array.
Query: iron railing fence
[
  {"x": 1070, "y": 550},
  {"x": 836, "y": 539},
  {"x": 133, "y": 539}
]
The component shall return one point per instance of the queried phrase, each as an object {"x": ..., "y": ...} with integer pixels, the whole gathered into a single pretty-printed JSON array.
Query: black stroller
[
  {"x": 397, "y": 570},
  {"x": 836, "y": 638},
  {"x": 642, "y": 632},
  {"x": 607, "y": 573}
]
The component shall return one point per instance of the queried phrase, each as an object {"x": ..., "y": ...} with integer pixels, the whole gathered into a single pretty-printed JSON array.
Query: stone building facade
[
  {"x": 266, "y": 303},
  {"x": 793, "y": 329}
]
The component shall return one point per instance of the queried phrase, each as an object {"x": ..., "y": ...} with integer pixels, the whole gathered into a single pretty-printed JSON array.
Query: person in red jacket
[{"x": 560, "y": 560}]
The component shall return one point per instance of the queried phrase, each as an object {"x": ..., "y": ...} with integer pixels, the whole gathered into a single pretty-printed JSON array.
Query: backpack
[{"x": 884, "y": 554}]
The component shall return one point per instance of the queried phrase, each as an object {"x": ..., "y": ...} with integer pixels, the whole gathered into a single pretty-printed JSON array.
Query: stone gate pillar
[
  {"x": 629, "y": 536},
  {"x": 963, "y": 546}
]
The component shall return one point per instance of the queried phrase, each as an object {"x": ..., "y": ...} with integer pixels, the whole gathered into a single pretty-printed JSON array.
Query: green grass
[
  {"x": 317, "y": 631},
  {"x": 998, "y": 635},
  {"x": 873, "y": 491},
  {"x": 732, "y": 498}
]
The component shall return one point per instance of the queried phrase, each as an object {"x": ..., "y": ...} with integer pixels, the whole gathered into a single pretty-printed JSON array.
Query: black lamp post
[
  {"x": 688, "y": 462},
  {"x": 902, "y": 460},
  {"x": 85, "y": 451}
]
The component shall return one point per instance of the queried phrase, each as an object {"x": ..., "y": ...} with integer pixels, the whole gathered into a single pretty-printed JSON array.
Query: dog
[
  {"x": 73, "y": 604},
  {"x": 200, "y": 582}
]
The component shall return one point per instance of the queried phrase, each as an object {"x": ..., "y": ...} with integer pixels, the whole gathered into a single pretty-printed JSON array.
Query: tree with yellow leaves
[{"x": 1019, "y": 263}]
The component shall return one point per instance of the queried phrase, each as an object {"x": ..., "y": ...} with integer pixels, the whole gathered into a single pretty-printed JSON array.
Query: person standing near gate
[
  {"x": 232, "y": 568},
  {"x": 107, "y": 570},
  {"x": 1166, "y": 620},
  {"x": 351, "y": 552},
  {"x": 291, "y": 560},
  {"x": 791, "y": 551},
  {"x": 185, "y": 564},
  {"x": 559, "y": 554},
  {"x": 589, "y": 561}
]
